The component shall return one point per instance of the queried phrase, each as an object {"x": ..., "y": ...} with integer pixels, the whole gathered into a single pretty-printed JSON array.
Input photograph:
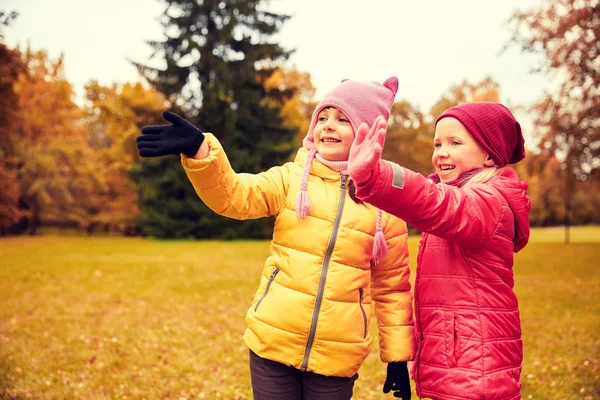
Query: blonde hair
[{"x": 483, "y": 175}]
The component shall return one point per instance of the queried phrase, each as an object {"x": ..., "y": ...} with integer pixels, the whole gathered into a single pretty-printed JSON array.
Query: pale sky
[{"x": 428, "y": 45}]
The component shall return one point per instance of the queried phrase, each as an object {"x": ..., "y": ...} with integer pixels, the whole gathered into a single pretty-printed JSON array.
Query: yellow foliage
[
  {"x": 485, "y": 90},
  {"x": 297, "y": 109},
  {"x": 116, "y": 115}
]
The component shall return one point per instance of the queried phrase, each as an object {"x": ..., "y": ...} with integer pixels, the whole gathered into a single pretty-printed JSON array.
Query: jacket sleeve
[
  {"x": 239, "y": 196},
  {"x": 466, "y": 216},
  {"x": 391, "y": 293}
]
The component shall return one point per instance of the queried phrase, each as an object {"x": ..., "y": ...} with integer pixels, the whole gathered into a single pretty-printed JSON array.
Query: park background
[{"x": 107, "y": 291}]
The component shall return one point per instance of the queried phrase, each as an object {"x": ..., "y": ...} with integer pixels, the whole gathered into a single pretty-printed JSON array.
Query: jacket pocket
[
  {"x": 453, "y": 341},
  {"x": 271, "y": 279},
  {"x": 362, "y": 310}
]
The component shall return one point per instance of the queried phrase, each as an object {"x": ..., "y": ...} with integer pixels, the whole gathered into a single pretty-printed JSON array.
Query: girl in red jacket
[
  {"x": 308, "y": 325},
  {"x": 473, "y": 213}
]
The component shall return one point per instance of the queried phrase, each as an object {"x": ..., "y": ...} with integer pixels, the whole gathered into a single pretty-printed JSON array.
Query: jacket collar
[{"x": 317, "y": 168}]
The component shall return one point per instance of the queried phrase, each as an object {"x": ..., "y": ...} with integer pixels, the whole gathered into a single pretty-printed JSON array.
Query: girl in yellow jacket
[{"x": 330, "y": 257}]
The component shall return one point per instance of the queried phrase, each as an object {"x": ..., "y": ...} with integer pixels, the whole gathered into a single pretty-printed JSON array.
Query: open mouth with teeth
[
  {"x": 446, "y": 168},
  {"x": 330, "y": 140}
]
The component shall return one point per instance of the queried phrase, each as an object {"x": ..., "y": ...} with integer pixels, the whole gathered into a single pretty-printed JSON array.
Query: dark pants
[{"x": 275, "y": 381}]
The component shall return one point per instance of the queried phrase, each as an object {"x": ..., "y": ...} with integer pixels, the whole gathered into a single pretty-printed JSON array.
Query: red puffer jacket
[{"x": 467, "y": 317}]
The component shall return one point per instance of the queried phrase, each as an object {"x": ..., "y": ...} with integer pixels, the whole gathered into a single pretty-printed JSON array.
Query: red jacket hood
[{"x": 514, "y": 191}]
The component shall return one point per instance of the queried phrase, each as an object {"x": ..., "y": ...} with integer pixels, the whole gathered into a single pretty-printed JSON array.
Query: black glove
[
  {"x": 161, "y": 140},
  {"x": 397, "y": 379}
]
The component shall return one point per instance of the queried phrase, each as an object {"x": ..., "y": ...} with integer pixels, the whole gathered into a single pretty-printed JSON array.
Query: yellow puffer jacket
[{"x": 312, "y": 307}]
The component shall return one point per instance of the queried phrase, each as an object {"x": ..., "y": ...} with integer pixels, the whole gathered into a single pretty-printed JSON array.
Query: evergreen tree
[{"x": 218, "y": 55}]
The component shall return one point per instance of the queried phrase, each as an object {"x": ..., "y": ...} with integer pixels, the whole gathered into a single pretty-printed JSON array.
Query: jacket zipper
[
  {"x": 360, "y": 303},
  {"x": 271, "y": 279},
  {"x": 418, "y": 315},
  {"x": 323, "y": 278}
]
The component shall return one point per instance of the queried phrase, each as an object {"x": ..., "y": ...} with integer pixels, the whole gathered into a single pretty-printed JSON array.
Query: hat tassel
[
  {"x": 302, "y": 200},
  {"x": 380, "y": 248}
]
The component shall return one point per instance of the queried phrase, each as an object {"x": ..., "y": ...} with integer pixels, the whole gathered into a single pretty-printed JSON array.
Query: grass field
[{"x": 119, "y": 318}]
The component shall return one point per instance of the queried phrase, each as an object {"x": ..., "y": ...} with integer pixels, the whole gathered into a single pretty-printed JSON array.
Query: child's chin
[
  {"x": 446, "y": 177},
  {"x": 333, "y": 155}
]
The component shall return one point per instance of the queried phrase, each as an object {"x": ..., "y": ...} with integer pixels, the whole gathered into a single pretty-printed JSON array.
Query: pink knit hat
[
  {"x": 361, "y": 102},
  {"x": 494, "y": 128}
]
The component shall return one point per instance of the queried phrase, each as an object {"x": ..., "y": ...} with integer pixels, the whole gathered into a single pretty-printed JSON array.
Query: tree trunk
[
  {"x": 34, "y": 223},
  {"x": 569, "y": 187},
  {"x": 567, "y": 216}
]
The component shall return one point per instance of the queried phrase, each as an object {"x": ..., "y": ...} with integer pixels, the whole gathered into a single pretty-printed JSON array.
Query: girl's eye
[
  {"x": 455, "y": 143},
  {"x": 322, "y": 119},
  {"x": 343, "y": 120},
  {"x": 437, "y": 145}
]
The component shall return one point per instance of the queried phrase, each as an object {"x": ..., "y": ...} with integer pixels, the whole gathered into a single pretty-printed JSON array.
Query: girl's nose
[
  {"x": 328, "y": 125},
  {"x": 441, "y": 153}
]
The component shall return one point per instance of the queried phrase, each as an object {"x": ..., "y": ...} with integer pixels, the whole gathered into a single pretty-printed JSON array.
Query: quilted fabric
[
  {"x": 466, "y": 312},
  {"x": 313, "y": 304}
]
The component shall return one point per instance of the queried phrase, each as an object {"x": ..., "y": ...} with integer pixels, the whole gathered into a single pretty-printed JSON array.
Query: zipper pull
[{"x": 344, "y": 179}]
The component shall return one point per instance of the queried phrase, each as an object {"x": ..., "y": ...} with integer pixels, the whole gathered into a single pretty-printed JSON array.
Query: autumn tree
[
  {"x": 485, "y": 90},
  {"x": 410, "y": 134},
  {"x": 218, "y": 56},
  {"x": 115, "y": 115},
  {"x": 10, "y": 192},
  {"x": 297, "y": 109},
  {"x": 409, "y": 138},
  {"x": 52, "y": 158},
  {"x": 566, "y": 34},
  {"x": 586, "y": 202},
  {"x": 10, "y": 212},
  {"x": 541, "y": 170},
  {"x": 411, "y": 131}
]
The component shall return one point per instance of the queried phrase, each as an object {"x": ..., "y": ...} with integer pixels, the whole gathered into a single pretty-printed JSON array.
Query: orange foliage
[
  {"x": 10, "y": 68},
  {"x": 115, "y": 117},
  {"x": 485, "y": 90},
  {"x": 49, "y": 143},
  {"x": 296, "y": 110}
]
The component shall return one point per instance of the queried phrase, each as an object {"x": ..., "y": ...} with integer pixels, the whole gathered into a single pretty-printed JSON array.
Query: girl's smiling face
[
  {"x": 333, "y": 134},
  {"x": 455, "y": 151}
]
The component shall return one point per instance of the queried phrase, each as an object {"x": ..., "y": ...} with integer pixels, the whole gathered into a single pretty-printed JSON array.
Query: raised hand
[
  {"x": 179, "y": 138},
  {"x": 397, "y": 380},
  {"x": 366, "y": 149}
]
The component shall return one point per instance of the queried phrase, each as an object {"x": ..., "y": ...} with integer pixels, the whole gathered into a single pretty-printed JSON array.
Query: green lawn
[{"x": 119, "y": 318}]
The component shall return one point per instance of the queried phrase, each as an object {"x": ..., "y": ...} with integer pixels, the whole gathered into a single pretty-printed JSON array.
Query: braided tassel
[
  {"x": 379, "y": 245},
  {"x": 302, "y": 200}
]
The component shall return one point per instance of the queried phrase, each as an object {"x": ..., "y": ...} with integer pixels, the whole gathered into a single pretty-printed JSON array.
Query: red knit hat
[{"x": 494, "y": 128}]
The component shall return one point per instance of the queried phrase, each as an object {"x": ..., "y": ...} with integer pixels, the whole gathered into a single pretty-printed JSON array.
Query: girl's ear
[{"x": 489, "y": 162}]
